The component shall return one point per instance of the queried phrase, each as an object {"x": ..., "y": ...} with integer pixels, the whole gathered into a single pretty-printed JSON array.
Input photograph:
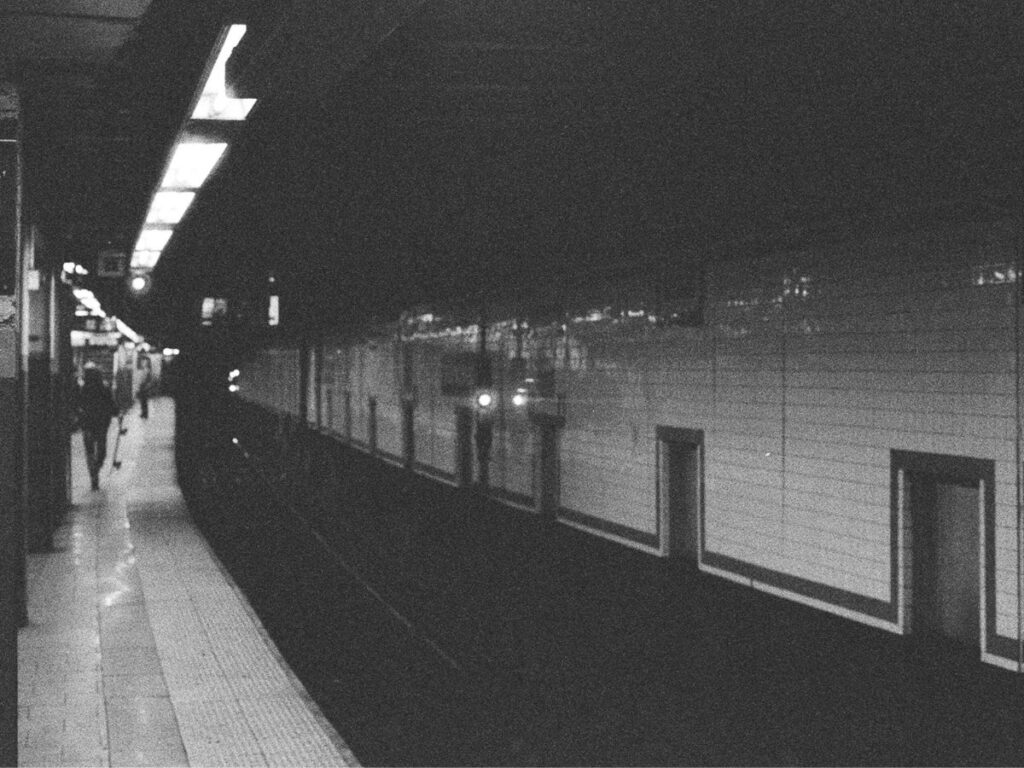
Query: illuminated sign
[{"x": 274, "y": 311}]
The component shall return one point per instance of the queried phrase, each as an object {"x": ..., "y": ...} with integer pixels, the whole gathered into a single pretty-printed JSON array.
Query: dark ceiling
[{"x": 408, "y": 153}]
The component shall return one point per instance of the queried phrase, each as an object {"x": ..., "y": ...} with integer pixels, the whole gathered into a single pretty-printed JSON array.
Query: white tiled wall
[
  {"x": 434, "y": 416},
  {"x": 335, "y": 378},
  {"x": 511, "y": 465},
  {"x": 272, "y": 379},
  {"x": 379, "y": 377},
  {"x": 812, "y": 365}
]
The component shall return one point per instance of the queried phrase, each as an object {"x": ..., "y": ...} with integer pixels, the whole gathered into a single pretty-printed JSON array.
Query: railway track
[{"x": 432, "y": 630}]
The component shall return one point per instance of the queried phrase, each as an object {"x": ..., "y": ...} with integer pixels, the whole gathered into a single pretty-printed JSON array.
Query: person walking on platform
[
  {"x": 96, "y": 408},
  {"x": 145, "y": 386}
]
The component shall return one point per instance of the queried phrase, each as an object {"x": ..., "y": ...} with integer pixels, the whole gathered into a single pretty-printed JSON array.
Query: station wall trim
[
  {"x": 652, "y": 540},
  {"x": 522, "y": 500},
  {"x": 390, "y": 458},
  {"x": 433, "y": 472},
  {"x": 879, "y": 609}
]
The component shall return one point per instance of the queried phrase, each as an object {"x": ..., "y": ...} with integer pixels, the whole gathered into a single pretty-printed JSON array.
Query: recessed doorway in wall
[
  {"x": 945, "y": 548},
  {"x": 409, "y": 432},
  {"x": 945, "y": 504},
  {"x": 464, "y": 446},
  {"x": 371, "y": 423},
  {"x": 680, "y": 458},
  {"x": 546, "y": 470}
]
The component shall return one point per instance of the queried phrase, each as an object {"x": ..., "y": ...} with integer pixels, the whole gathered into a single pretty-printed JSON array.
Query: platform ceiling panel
[{"x": 86, "y": 32}]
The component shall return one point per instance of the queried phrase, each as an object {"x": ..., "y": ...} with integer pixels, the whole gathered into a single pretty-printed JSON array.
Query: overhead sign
[{"x": 111, "y": 263}]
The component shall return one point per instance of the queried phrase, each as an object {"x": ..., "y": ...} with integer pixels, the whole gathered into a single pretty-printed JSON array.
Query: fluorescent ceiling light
[
  {"x": 125, "y": 330},
  {"x": 191, "y": 163},
  {"x": 215, "y": 103},
  {"x": 88, "y": 300},
  {"x": 169, "y": 207},
  {"x": 153, "y": 239},
  {"x": 145, "y": 259}
]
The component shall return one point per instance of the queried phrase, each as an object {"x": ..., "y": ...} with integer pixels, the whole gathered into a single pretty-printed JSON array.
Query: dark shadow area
[{"x": 436, "y": 628}]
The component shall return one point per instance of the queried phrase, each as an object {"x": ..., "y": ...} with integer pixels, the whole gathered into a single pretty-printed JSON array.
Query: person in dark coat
[
  {"x": 96, "y": 408},
  {"x": 145, "y": 386}
]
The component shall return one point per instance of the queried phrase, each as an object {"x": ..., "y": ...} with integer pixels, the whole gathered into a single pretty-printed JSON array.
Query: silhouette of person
[
  {"x": 96, "y": 408},
  {"x": 145, "y": 386}
]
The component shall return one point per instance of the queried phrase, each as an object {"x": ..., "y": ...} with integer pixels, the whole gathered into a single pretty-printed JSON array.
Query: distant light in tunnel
[
  {"x": 191, "y": 163},
  {"x": 169, "y": 207},
  {"x": 138, "y": 283}
]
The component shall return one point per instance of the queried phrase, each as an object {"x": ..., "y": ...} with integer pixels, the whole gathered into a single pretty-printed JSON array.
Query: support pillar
[
  {"x": 61, "y": 398},
  {"x": 13, "y": 611},
  {"x": 39, "y": 411}
]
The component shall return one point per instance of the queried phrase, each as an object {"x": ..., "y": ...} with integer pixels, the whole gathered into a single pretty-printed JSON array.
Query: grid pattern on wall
[
  {"x": 433, "y": 417},
  {"x": 271, "y": 379},
  {"x": 813, "y": 365},
  {"x": 887, "y": 344}
]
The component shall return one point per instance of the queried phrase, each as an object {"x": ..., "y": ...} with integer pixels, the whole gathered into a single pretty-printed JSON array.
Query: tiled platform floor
[{"x": 140, "y": 650}]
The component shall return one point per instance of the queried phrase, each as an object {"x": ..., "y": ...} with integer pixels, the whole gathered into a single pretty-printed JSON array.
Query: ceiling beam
[{"x": 100, "y": 18}]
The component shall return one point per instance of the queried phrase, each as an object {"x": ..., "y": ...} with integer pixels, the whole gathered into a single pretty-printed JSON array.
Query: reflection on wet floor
[{"x": 140, "y": 650}]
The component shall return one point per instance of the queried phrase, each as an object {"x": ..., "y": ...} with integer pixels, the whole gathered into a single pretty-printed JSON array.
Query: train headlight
[{"x": 485, "y": 399}]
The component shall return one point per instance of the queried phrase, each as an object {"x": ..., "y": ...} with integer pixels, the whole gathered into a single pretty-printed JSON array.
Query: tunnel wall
[
  {"x": 809, "y": 367},
  {"x": 434, "y": 415},
  {"x": 272, "y": 378}
]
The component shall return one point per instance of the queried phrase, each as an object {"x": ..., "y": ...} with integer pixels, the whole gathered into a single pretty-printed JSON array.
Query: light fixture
[
  {"x": 88, "y": 300},
  {"x": 145, "y": 259},
  {"x": 125, "y": 331},
  {"x": 169, "y": 206},
  {"x": 191, "y": 163},
  {"x": 520, "y": 398},
  {"x": 153, "y": 239},
  {"x": 216, "y": 103},
  {"x": 140, "y": 283}
]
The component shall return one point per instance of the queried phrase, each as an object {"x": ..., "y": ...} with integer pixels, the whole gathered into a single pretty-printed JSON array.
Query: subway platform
[{"x": 140, "y": 649}]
